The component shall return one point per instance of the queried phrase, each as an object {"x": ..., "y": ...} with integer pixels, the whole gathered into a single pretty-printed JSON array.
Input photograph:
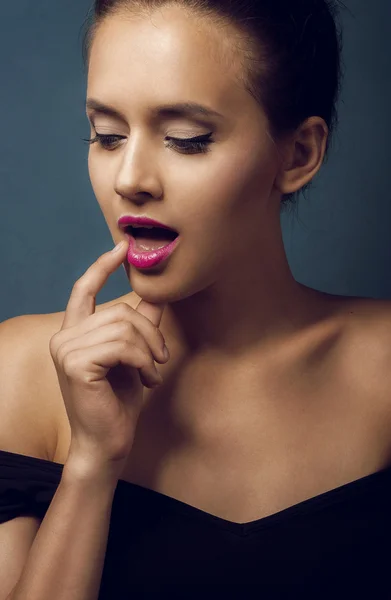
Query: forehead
[{"x": 163, "y": 58}]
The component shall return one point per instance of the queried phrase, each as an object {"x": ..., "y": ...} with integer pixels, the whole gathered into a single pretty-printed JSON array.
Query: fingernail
[{"x": 166, "y": 353}]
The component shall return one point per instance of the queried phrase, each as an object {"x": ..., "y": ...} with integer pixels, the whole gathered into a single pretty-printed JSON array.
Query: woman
[{"x": 259, "y": 462}]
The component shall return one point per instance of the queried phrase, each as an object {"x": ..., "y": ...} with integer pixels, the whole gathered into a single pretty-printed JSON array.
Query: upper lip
[{"x": 127, "y": 220}]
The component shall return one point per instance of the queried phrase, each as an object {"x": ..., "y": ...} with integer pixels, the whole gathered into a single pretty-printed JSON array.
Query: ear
[{"x": 302, "y": 155}]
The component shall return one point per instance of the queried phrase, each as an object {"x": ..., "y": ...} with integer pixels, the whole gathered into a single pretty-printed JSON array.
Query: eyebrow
[{"x": 191, "y": 110}]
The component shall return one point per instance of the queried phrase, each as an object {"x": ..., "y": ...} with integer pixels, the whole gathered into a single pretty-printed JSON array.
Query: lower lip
[{"x": 150, "y": 258}]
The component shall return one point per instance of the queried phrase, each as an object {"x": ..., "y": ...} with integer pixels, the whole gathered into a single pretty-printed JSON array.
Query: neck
[{"x": 248, "y": 308}]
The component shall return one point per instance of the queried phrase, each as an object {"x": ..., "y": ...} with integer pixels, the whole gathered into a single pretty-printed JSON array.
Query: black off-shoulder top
[{"x": 334, "y": 545}]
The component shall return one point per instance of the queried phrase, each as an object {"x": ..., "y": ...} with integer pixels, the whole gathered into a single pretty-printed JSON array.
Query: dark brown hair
[{"x": 290, "y": 54}]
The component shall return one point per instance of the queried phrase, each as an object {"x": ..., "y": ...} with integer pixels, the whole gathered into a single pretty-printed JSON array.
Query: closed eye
[
  {"x": 198, "y": 144},
  {"x": 187, "y": 145}
]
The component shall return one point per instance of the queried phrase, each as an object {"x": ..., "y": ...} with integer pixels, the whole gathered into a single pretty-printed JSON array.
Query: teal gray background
[{"x": 51, "y": 228}]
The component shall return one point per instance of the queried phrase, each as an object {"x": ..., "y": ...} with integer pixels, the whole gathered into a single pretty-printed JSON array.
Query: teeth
[{"x": 143, "y": 226}]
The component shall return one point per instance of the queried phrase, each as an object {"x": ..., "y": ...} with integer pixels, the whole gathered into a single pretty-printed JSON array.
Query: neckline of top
[{"x": 322, "y": 500}]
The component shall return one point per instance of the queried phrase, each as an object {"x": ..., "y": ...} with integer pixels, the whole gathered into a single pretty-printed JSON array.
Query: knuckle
[
  {"x": 55, "y": 350},
  {"x": 124, "y": 306},
  {"x": 60, "y": 351},
  {"x": 123, "y": 345},
  {"x": 126, "y": 328},
  {"x": 61, "y": 354},
  {"x": 71, "y": 363},
  {"x": 79, "y": 283},
  {"x": 53, "y": 345},
  {"x": 101, "y": 261},
  {"x": 123, "y": 310},
  {"x": 83, "y": 285},
  {"x": 138, "y": 356}
]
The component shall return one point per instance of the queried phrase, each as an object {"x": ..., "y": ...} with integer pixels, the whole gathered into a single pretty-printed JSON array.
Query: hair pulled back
[{"x": 290, "y": 53}]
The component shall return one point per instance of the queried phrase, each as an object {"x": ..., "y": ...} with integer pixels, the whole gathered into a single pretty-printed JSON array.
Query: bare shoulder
[
  {"x": 27, "y": 417},
  {"x": 368, "y": 345},
  {"x": 30, "y": 384},
  {"x": 370, "y": 317}
]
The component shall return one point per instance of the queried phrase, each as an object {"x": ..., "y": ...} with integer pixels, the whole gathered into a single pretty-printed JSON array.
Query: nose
[{"x": 137, "y": 177}]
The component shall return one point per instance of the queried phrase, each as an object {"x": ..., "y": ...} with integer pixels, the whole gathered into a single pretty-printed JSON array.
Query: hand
[{"x": 103, "y": 360}]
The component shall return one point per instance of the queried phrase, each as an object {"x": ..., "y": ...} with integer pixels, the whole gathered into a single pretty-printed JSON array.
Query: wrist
[{"x": 89, "y": 471}]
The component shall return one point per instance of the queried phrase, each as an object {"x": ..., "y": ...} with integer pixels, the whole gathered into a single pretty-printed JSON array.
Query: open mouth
[
  {"x": 150, "y": 238},
  {"x": 151, "y": 233}
]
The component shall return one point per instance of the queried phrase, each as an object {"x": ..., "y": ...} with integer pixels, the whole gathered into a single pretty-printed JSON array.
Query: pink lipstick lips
[
  {"x": 150, "y": 242},
  {"x": 149, "y": 258}
]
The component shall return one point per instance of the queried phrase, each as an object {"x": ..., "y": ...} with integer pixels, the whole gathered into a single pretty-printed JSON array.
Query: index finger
[{"x": 81, "y": 303}]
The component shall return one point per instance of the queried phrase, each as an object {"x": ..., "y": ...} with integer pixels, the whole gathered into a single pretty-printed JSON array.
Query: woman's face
[{"x": 217, "y": 200}]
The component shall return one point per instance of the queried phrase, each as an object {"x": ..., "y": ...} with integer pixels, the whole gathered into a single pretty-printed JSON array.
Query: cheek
[
  {"x": 246, "y": 168},
  {"x": 227, "y": 181},
  {"x": 100, "y": 179}
]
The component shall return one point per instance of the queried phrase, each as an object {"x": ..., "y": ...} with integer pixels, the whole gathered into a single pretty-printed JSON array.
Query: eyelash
[{"x": 194, "y": 145}]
